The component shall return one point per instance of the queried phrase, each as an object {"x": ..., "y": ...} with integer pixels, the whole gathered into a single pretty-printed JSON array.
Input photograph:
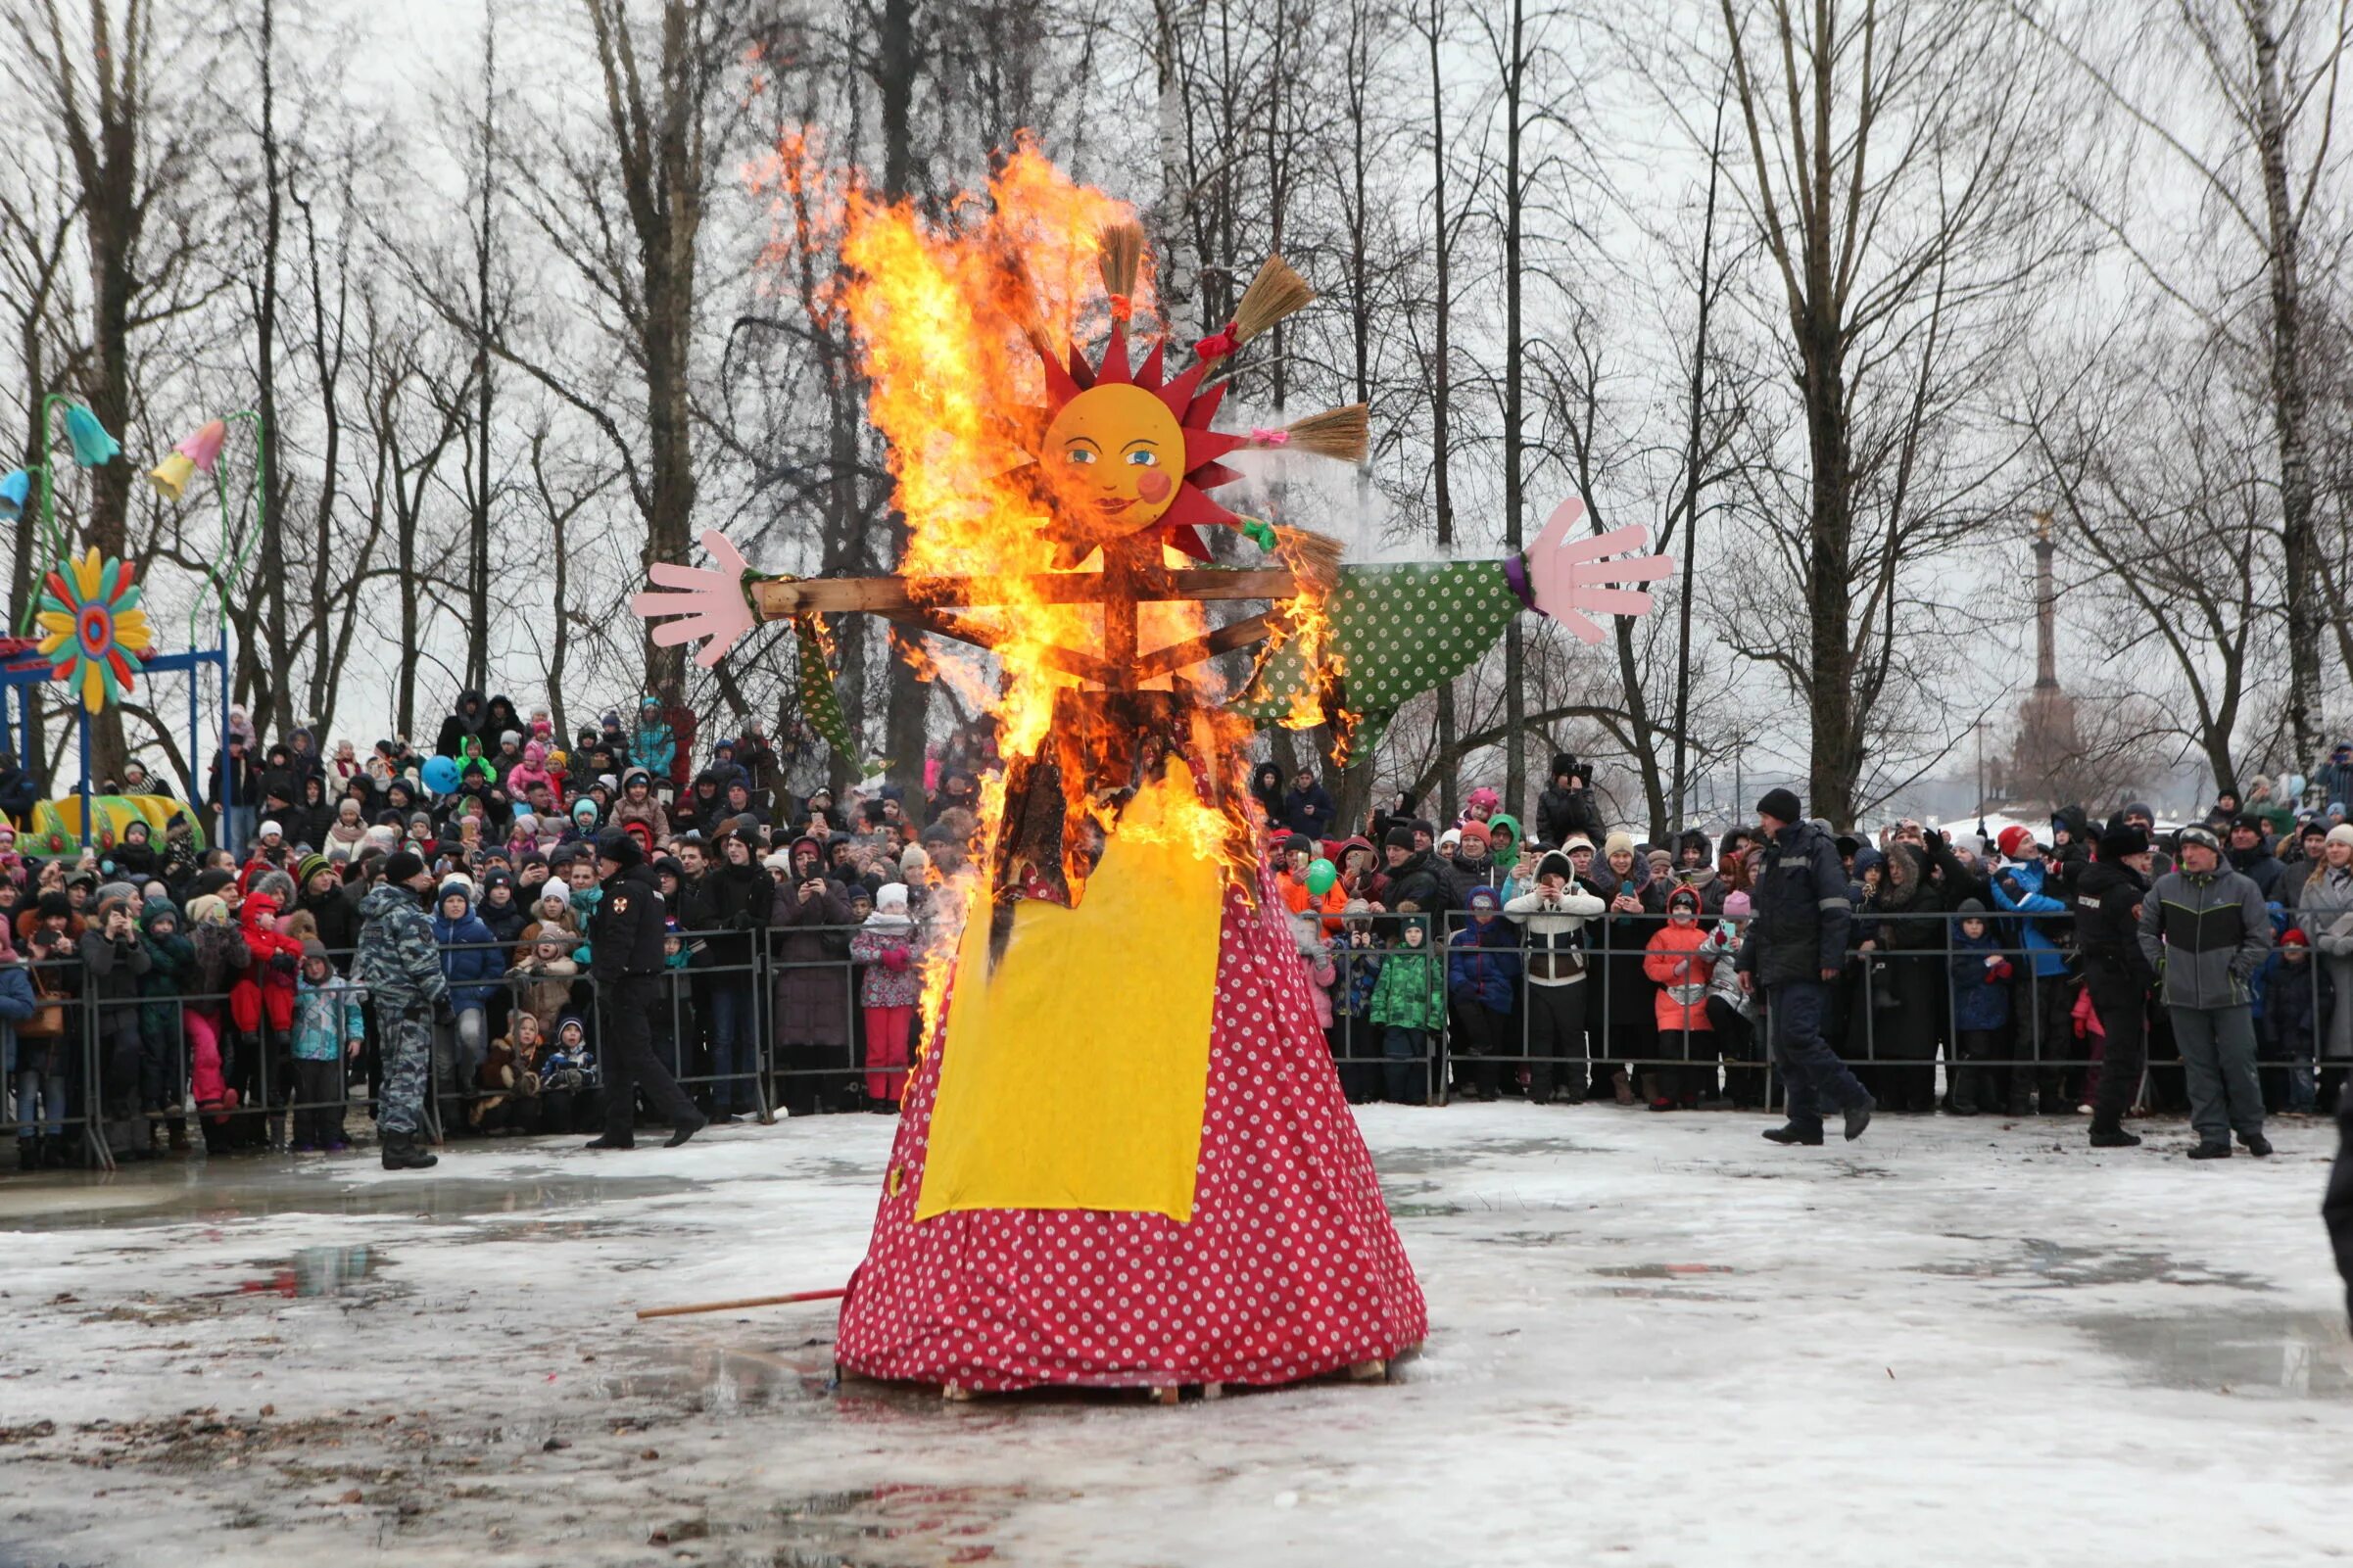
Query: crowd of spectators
[
  {"x": 217, "y": 986},
  {"x": 1468, "y": 958}
]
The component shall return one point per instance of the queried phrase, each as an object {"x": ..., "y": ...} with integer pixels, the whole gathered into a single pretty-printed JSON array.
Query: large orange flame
[{"x": 959, "y": 326}]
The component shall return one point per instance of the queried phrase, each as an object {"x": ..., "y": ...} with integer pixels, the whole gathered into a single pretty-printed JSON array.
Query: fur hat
[
  {"x": 2122, "y": 840},
  {"x": 619, "y": 846}
]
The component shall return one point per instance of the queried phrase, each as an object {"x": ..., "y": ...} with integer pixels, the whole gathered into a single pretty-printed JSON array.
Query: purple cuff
[{"x": 1516, "y": 573}]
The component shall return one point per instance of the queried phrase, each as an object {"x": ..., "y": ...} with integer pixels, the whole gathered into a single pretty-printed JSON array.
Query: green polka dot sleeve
[{"x": 1399, "y": 631}]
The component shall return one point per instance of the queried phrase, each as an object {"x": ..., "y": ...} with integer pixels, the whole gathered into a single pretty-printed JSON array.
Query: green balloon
[{"x": 1321, "y": 875}]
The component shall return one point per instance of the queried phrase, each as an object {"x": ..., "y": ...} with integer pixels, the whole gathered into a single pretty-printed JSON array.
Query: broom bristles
[
  {"x": 1342, "y": 433},
  {"x": 1021, "y": 304},
  {"x": 1314, "y": 558},
  {"x": 1273, "y": 294},
  {"x": 1122, "y": 257}
]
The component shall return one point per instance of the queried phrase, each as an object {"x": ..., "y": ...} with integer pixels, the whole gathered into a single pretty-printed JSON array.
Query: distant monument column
[{"x": 2048, "y": 748}]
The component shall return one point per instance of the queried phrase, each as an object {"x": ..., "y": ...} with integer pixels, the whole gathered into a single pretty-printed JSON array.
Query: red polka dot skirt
[{"x": 1290, "y": 1267}]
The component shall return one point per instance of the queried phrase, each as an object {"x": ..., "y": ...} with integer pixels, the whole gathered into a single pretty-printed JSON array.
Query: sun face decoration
[
  {"x": 93, "y": 632},
  {"x": 1121, "y": 450}
]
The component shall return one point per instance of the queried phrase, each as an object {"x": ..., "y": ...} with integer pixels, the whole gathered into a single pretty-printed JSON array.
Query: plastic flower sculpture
[{"x": 93, "y": 633}]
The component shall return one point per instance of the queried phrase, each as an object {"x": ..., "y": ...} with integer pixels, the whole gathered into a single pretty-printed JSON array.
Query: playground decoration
[
  {"x": 96, "y": 634},
  {"x": 1182, "y": 1198},
  {"x": 192, "y": 456},
  {"x": 93, "y": 633},
  {"x": 94, "y": 446},
  {"x": 55, "y": 826}
]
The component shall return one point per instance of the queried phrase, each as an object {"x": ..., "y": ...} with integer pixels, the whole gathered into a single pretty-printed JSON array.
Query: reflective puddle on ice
[
  {"x": 225, "y": 1191},
  {"x": 2039, "y": 1264},
  {"x": 2297, "y": 1355},
  {"x": 316, "y": 1271}
]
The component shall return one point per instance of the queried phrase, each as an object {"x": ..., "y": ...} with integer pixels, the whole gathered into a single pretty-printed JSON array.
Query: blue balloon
[{"x": 439, "y": 775}]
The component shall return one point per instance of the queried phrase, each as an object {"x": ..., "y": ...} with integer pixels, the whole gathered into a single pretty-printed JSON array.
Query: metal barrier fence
[{"x": 779, "y": 1023}]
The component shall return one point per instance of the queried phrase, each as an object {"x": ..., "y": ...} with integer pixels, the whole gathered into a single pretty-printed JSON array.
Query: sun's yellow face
[{"x": 1116, "y": 451}]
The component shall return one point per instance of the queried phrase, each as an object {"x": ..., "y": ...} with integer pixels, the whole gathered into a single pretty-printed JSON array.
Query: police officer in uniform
[
  {"x": 625, "y": 959},
  {"x": 1793, "y": 951},
  {"x": 2108, "y": 896},
  {"x": 400, "y": 964}
]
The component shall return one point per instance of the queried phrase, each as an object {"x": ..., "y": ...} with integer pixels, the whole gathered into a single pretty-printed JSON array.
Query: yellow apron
[{"x": 1073, "y": 1076}]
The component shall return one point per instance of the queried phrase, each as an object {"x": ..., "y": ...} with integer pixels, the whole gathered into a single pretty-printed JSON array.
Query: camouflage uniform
[{"x": 401, "y": 967}]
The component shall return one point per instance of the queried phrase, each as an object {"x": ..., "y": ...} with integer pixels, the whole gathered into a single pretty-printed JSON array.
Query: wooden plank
[
  {"x": 1224, "y": 640},
  {"x": 964, "y": 629},
  {"x": 780, "y": 601}
]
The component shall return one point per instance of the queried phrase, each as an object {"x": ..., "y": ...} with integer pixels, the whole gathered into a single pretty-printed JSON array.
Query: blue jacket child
[
  {"x": 470, "y": 957},
  {"x": 1981, "y": 973}
]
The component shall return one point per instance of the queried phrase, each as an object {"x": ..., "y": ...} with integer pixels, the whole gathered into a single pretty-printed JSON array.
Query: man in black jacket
[
  {"x": 2107, "y": 933},
  {"x": 625, "y": 959},
  {"x": 2337, "y": 1208},
  {"x": 1796, "y": 949}
]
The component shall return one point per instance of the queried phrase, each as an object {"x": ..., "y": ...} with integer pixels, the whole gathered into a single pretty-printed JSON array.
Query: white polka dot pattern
[{"x": 1289, "y": 1270}]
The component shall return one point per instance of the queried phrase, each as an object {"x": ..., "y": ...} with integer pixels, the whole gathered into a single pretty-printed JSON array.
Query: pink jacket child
[
  {"x": 890, "y": 991},
  {"x": 533, "y": 769}
]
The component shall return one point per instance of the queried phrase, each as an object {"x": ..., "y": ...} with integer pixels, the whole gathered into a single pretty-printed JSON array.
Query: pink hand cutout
[
  {"x": 1569, "y": 574},
  {"x": 710, "y": 604}
]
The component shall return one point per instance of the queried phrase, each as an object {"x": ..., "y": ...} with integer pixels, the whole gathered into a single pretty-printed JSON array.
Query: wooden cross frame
[{"x": 1130, "y": 578}]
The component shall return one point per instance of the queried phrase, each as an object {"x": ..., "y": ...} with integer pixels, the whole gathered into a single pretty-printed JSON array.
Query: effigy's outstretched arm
[{"x": 1395, "y": 631}]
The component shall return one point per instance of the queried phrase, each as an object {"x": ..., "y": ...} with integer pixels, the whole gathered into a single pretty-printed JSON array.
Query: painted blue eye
[
  {"x": 1083, "y": 455},
  {"x": 1144, "y": 457}
]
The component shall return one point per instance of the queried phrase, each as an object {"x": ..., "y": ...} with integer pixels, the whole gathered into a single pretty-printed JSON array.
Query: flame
[{"x": 971, "y": 326}]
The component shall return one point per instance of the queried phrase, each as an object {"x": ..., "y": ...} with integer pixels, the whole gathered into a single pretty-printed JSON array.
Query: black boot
[
  {"x": 28, "y": 1154},
  {"x": 2113, "y": 1138},
  {"x": 1792, "y": 1133},
  {"x": 54, "y": 1153},
  {"x": 2211, "y": 1151},
  {"x": 402, "y": 1152},
  {"x": 1858, "y": 1118},
  {"x": 2257, "y": 1144},
  {"x": 685, "y": 1131}
]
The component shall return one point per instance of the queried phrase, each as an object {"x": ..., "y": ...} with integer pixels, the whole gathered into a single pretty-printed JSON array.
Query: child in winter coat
[
  {"x": 1355, "y": 956},
  {"x": 1409, "y": 1007},
  {"x": 261, "y": 1007},
  {"x": 222, "y": 958},
  {"x": 890, "y": 994},
  {"x": 470, "y": 960},
  {"x": 1681, "y": 959},
  {"x": 1483, "y": 982},
  {"x": 652, "y": 747},
  {"x": 543, "y": 982},
  {"x": 1981, "y": 1011},
  {"x": 509, "y": 1078},
  {"x": 2291, "y": 1015},
  {"x": 327, "y": 1031},
  {"x": 171, "y": 973},
  {"x": 636, "y": 804},
  {"x": 533, "y": 769}
]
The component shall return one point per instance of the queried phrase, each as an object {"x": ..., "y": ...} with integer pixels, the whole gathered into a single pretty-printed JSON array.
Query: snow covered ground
[{"x": 1654, "y": 1340}]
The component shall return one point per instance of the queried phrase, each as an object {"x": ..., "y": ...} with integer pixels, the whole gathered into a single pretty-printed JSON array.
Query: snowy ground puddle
[{"x": 2300, "y": 1356}]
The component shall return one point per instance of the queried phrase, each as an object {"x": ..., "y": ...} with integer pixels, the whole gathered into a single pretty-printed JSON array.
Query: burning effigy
[{"x": 1123, "y": 1157}]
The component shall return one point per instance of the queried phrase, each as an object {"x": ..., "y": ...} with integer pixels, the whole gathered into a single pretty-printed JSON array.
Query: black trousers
[
  {"x": 630, "y": 1066},
  {"x": 2123, "y": 1009},
  {"x": 1556, "y": 1039}
]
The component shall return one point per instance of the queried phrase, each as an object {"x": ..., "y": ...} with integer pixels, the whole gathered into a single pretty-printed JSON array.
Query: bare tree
[{"x": 1903, "y": 159}]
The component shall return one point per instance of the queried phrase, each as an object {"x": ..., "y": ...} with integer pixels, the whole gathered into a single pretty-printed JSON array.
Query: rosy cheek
[{"x": 1152, "y": 485}]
